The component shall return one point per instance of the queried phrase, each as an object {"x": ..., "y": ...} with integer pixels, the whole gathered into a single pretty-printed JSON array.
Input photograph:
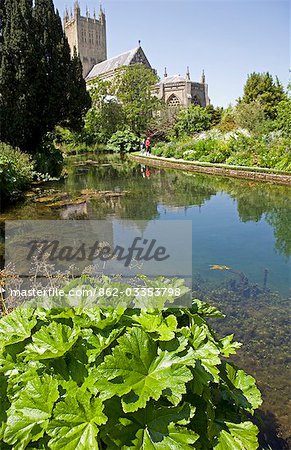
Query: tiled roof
[{"x": 111, "y": 64}]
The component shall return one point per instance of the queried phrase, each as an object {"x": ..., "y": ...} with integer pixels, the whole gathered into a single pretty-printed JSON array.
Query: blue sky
[{"x": 229, "y": 39}]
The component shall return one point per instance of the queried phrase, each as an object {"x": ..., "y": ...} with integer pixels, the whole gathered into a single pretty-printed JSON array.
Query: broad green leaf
[
  {"x": 228, "y": 347},
  {"x": 162, "y": 328},
  {"x": 199, "y": 333},
  {"x": 241, "y": 436},
  {"x": 158, "y": 419},
  {"x": 76, "y": 422},
  {"x": 227, "y": 442},
  {"x": 206, "y": 310},
  {"x": 96, "y": 343},
  {"x": 207, "y": 353},
  {"x": 154, "y": 421},
  {"x": 29, "y": 415},
  {"x": 201, "y": 378},
  {"x": 137, "y": 371},
  {"x": 177, "y": 438},
  {"x": 242, "y": 388},
  {"x": 205, "y": 349},
  {"x": 51, "y": 341},
  {"x": 16, "y": 326},
  {"x": 6, "y": 363},
  {"x": 18, "y": 379},
  {"x": 99, "y": 318}
]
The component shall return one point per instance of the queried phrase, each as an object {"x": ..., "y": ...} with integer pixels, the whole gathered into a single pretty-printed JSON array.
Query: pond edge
[{"x": 256, "y": 173}]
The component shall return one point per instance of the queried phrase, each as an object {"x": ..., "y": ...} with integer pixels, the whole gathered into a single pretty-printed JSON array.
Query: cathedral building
[
  {"x": 106, "y": 69},
  {"x": 87, "y": 37},
  {"x": 179, "y": 90}
]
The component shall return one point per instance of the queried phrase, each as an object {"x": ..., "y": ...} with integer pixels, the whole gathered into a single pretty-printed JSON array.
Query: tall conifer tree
[
  {"x": 79, "y": 101},
  {"x": 39, "y": 84},
  {"x": 2, "y": 18},
  {"x": 16, "y": 73}
]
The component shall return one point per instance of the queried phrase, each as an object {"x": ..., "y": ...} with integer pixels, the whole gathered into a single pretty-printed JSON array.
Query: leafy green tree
[
  {"x": 249, "y": 115},
  {"x": 105, "y": 116},
  {"x": 263, "y": 88},
  {"x": 133, "y": 88},
  {"x": 283, "y": 121},
  {"x": 192, "y": 120},
  {"x": 163, "y": 122},
  {"x": 215, "y": 114}
]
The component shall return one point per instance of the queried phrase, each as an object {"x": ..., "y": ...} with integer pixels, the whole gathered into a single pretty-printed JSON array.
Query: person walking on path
[
  {"x": 148, "y": 146},
  {"x": 143, "y": 146}
]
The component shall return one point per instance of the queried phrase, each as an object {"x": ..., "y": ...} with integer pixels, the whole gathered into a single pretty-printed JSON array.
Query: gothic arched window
[{"x": 173, "y": 101}]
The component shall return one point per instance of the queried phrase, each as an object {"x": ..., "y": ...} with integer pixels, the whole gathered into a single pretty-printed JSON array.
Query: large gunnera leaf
[
  {"x": 138, "y": 371},
  {"x": 76, "y": 422},
  {"x": 160, "y": 327},
  {"x": 242, "y": 388},
  {"x": 178, "y": 438},
  {"x": 160, "y": 429},
  {"x": 16, "y": 326},
  {"x": 51, "y": 341},
  {"x": 241, "y": 436},
  {"x": 29, "y": 415},
  {"x": 154, "y": 427}
]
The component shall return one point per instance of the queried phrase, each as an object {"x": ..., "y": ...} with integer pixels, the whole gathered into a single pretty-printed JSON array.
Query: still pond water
[{"x": 236, "y": 223}]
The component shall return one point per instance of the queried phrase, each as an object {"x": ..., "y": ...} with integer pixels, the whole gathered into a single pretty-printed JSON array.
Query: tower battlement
[{"x": 87, "y": 36}]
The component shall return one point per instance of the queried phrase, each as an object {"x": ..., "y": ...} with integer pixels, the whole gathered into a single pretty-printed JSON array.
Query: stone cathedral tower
[{"x": 87, "y": 35}]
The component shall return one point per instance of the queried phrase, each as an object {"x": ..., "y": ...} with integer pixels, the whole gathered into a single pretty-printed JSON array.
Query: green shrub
[
  {"x": 123, "y": 141},
  {"x": 240, "y": 159},
  {"x": 283, "y": 121},
  {"x": 276, "y": 155},
  {"x": 169, "y": 150},
  {"x": 250, "y": 116},
  {"x": 190, "y": 155},
  {"x": 158, "y": 149},
  {"x": 16, "y": 172},
  {"x": 179, "y": 151},
  {"x": 188, "y": 145},
  {"x": 49, "y": 159},
  {"x": 192, "y": 120},
  {"x": 227, "y": 122},
  {"x": 216, "y": 152},
  {"x": 117, "y": 378}
]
